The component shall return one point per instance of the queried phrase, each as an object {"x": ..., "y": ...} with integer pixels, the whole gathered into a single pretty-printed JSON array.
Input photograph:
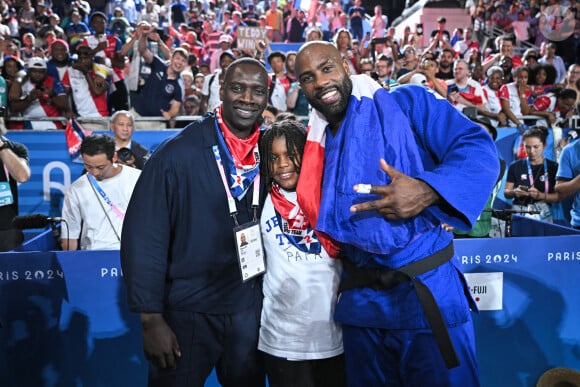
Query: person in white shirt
[
  {"x": 301, "y": 342},
  {"x": 95, "y": 204}
]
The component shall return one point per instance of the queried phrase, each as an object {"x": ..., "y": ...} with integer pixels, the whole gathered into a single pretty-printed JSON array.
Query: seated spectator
[
  {"x": 513, "y": 94},
  {"x": 150, "y": 13},
  {"x": 556, "y": 105},
  {"x": 268, "y": 117},
  {"x": 466, "y": 46},
  {"x": 40, "y": 96},
  {"x": 493, "y": 107},
  {"x": 531, "y": 181},
  {"x": 95, "y": 204},
  {"x": 542, "y": 79},
  {"x": 506, "y": 64},
  {"x": 28, "y": 44},
  {"x": 313, "y": 33},
  {"x": 477, "y": 74},
  {"x": 191, "y": 105},
  {"x": 59, "y": 60},
  {"x": 530, "y": 57},
  {"x": 462, "y": 91},
  {"x": 408, "y": 61},
  {"x": 472, "y": 56}
]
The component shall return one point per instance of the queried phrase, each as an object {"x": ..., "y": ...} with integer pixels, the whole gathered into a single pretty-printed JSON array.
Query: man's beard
[{"x": 334, "y": 113}]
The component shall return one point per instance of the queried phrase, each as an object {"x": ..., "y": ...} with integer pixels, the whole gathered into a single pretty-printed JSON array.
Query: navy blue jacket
[{"x": 178, "y": 248}]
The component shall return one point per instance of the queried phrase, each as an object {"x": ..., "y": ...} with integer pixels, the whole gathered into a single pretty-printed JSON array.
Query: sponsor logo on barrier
[
  {"x": 563, "y": 256},
  {"x": 488, "y": 259},
  {"x": 486, "y": 289},
  {"x": 31, "y": 275}
]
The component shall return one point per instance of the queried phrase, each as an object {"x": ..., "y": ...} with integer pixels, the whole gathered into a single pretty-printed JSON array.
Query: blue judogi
[{"x": 387, "y": 338}]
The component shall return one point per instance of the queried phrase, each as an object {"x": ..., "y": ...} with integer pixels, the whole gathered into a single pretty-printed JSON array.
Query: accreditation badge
[
  {"x": 6, "y": 197},
  {"x": 250, "y": 250}
]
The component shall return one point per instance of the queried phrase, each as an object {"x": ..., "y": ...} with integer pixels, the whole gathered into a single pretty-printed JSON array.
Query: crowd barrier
[{"x": 66, "y": 320}]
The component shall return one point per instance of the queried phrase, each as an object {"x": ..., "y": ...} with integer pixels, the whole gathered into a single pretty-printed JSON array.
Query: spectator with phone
[
  {"x": 462, "y": 91},
  {"x": 531, "y": 181}
]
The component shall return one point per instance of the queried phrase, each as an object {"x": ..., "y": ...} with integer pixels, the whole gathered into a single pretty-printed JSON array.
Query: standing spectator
[
  {"x": 14, "y": 169},
  {"x": 343, "y": 42},
  {"x": 108, "y": 49},
  {"x": 356, "y": 13},
  {"x": 150, "y": 13},
  {"x": 408, "y": 61},
  {"x": 466, "y": 45},
  {"x": 441, "y": 33},
  {"x": 26, "y": 20},
  {"x": 94, "y": 205},
  {"x": 296, "y": 26},
  {"x": 275, "y": 20},
  {"x": 568, "y": 179},
  {"x": 521, "y": 28},
  {"x": 182, "y": 272},
  {"x": 211, "y": 95},
  {"x": 76, "y": 29},
  {"x": 446, "y": 64},
  {"x": 123, "y": 125},
  {"x": 225, "y": 42},
  {"x": 88, "y": 82},
  {"x": 59, "y": 61},
  {"x": 4, "y": 29},
  {"x": 162, "y": 92},
  {"x": 506, "y": 49},
  {"x": 280, "y": 82},
  {"x": 40, "y": 96},
  {"x": 554, "y": 60},
  {"x": 178, "y": 11},
  {"x": 379, "y": 23}
]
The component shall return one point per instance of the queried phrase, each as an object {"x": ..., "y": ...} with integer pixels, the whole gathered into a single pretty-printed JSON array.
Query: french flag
[
  {"x": 75, "y": 133},
  {"x": 309, "y": 187}
]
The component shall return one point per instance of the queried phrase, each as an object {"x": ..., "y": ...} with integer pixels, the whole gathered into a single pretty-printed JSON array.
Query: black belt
[{"x": 377, "y": 279}]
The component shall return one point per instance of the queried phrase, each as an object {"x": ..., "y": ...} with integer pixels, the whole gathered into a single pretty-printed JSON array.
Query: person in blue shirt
[{"x": 404, "y": 304}]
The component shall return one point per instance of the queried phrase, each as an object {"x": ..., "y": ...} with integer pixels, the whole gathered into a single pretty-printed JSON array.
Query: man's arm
[
  {"x": 69, "y": 244},
  {"x": 17, "y": 166},
  {"x": 566, "y": 188},
  {"x": 142, "y": 31},
  {"x": 459, "y": 188}
]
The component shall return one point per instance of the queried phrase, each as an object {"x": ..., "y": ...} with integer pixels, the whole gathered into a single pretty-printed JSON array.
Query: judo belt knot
[{"x": 379, "y": 279}]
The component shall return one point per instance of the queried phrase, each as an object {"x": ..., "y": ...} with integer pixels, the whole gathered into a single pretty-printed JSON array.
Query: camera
[
  {"x": 125, "y": 155},
  {"x": 453, "y": 89}
]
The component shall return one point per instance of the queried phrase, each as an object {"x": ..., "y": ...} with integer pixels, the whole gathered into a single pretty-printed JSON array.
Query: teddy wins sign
[{"x": 248, "y": 37}]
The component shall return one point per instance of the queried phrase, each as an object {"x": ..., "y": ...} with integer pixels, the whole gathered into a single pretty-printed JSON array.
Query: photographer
[{"x": 428, "y": 69}]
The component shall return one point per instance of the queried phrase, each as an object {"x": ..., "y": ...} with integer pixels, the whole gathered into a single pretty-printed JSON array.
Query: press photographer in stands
[{"x": 14, "y": 169}]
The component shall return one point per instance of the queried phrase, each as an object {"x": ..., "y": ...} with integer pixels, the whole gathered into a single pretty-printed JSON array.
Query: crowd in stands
[{"x": 83, "y": 59}]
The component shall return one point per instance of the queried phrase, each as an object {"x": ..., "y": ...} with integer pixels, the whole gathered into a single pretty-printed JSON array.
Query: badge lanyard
[
  {"x": 231, "y": 200},
  {"x": 98, "y": 188},
  {"x": 531, "y": 176}
]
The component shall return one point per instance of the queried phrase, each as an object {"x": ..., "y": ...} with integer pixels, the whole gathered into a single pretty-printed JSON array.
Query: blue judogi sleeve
[{"x": 459, "y": 157}]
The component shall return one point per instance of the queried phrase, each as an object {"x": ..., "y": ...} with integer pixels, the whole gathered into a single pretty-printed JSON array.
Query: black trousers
[
  {"x": 227, "y": 342},
  {"x": 305, "y": 373}
]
